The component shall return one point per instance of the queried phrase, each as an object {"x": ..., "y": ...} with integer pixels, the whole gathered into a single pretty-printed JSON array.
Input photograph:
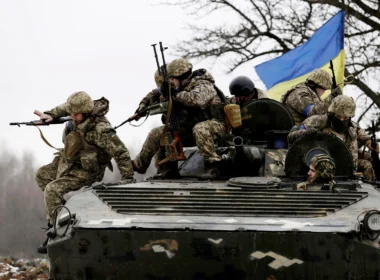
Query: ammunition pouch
[
  {"x": 73, "y": 144},
  {"x": 89, "y": 161},
  {"x": 232, "y": 115}
]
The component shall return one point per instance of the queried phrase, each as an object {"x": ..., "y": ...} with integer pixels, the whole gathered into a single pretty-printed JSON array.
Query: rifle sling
[{"x": 45, "y": 140}]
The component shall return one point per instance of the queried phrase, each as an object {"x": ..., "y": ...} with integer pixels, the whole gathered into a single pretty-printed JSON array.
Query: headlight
[{"x": 373, "y": 221}]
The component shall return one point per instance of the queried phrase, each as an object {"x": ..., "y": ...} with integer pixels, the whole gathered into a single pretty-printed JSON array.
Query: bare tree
[{"x": 260, "y": 29}]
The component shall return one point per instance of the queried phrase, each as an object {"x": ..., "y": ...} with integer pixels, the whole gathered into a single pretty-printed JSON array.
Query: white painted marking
[
  {"x": 215, "y": 241},
  {"x": 158, "y": 248},
  {"x": 289, "y": 224},
  {"x": 114, "y": 222},
  {"x": 184, "y": 221},
  {"x": 230, "y": 221},
  {"x": 279, "y": 261},
  {"x": 170, "y": 254}
]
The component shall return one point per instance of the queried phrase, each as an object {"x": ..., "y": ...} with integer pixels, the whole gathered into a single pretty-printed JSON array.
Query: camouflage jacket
[
  {"x": 260, "y": 94},
  {"x": 200, "y": 98},
  {"x": 303, "y": 102},
  {"x": 98, "y": 144},
  {"x": 351, "y": 137},
  {"x": 152, "y": 97}
]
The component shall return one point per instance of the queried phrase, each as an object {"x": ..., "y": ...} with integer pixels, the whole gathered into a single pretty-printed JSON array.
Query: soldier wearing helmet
[
  {"x": 154, "y": 96},
  {"x": 304, "y": 100},
  {"x": 202, "y": 117},
  {"x": 321, "y": 171},
  {"x": 90, "y": 144},
  {"x": 338, "y": 122},
  {"x": 243, "y": 91}
]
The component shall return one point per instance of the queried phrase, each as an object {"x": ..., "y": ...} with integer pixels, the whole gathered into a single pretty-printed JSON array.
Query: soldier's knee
[{"x": 200, "y": 129}]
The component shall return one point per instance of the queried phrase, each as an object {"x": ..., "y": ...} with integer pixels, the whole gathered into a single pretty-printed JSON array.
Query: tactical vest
[{"x": 78, "y": 152}]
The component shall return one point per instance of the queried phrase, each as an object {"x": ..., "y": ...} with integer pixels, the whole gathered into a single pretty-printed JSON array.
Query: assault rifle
[
  {"x": 334, "y": 84},
  {"x": 374, "y": 154},
  {"x": 171, "y": 121},
  {"x": 155, "y": 109},
  {"x": 41, "y": 122}
]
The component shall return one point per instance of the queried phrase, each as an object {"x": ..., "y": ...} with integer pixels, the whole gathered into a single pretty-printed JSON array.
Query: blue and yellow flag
[{"x": 293, "y": 67}]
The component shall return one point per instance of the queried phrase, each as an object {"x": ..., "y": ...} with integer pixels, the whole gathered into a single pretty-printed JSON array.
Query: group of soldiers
[{"x": 91, "y": 142}]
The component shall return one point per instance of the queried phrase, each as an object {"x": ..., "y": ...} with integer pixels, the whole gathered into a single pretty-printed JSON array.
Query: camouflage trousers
[
  {"x": 151, "y": 147},
  {"x": 54, "y": 189},
  {"x": 203, "y": 132},
  {"x": 365, "y": 167}
]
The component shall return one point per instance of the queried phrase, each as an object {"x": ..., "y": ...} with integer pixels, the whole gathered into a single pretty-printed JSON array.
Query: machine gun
[
  {"x": 374, "y": 154},
  {"x": 334, "y": 84},
  {"x": 41, "y": 122},
  {"x": 171, "y": 120}
]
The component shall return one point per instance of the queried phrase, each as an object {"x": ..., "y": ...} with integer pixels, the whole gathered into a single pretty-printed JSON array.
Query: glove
[
  {"x": 311, "y": 132},
  {"x": 141, "y": 107},
  {"x": 369, "y": 145},
  {"x": 165, "y": 88},
  {"x": 127, "y": 181},
  {"x": 336, "y": 91}
]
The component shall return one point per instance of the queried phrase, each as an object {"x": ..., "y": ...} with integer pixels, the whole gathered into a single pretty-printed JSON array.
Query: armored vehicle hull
[
  {"x": 252, "y": 224},
  {"x": 213, "y": 231}
]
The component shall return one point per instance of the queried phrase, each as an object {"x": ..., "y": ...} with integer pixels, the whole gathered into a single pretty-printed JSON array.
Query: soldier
[
  {"x": 338, "y": 122},
  {"x": 154, "y": 96},
  {"x": 201, "y": 120},
  {"x": 304, "y": 100},
  {"x": 90, "y": 144},
  {"x": 321, "y": 171},
  {"x": 243, "y": 91}
]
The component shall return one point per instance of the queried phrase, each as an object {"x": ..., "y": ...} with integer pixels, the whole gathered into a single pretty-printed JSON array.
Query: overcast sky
[{"x": 51, "y": 49}]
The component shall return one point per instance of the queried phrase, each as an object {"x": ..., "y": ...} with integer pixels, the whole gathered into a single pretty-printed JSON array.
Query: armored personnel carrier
[{"x": 250, "y": 224}]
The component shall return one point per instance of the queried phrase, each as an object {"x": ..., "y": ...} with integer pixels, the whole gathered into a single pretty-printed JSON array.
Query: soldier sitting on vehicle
[
  {"x": 90, "y": 144},
  {"x": 322, "y": 170},
  {"x": 154, "y": 96},
  {"x": 243, "y": 91},
  {"x": 338, "y": 122},
  {"x": 201, "y": 120},
  {"x": 304, "y": 99}
]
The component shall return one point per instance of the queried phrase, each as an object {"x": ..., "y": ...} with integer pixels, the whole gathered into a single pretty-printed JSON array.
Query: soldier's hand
[
  {"x": 369, "y": 145},
  {"x": 336, "y": 91},
  {"x": 141, "y": 107},
  {"x": 43, "y": 117},
  {"x": 311, "y": 132}
]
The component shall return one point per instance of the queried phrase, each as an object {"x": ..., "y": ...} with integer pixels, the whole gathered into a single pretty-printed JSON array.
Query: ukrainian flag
[{"x": 293, "y": 67}]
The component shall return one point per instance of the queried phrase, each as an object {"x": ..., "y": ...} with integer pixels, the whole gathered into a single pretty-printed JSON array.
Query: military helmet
[
  {"x": 159, "y": 79},
  {"x": 343, "y": 106},
  {"x": 241, "y": 86},
  {"x": 179, "y": 67},
  {"x": 324, "y": 166},
  {"x": 321, "y": 78},
  {"x": 79, "y": 102}
]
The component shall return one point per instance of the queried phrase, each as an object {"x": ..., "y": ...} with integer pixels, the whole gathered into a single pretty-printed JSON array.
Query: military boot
[
  {"x": 211, "y": 171},
  {"x": 168, "y": 170},
  {"x": 42, "y": 249}
]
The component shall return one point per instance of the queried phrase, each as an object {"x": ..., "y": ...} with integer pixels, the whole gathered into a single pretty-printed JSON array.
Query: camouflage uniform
[
  {"x": 199, "y": 99},
  {"x": 350, "y": 137},
  {"x": 89, "y": 148},
  {"x": 155, "y": 95},
  {"x": 303, "y": 102},
  {"x": 325, "y": 169}
]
